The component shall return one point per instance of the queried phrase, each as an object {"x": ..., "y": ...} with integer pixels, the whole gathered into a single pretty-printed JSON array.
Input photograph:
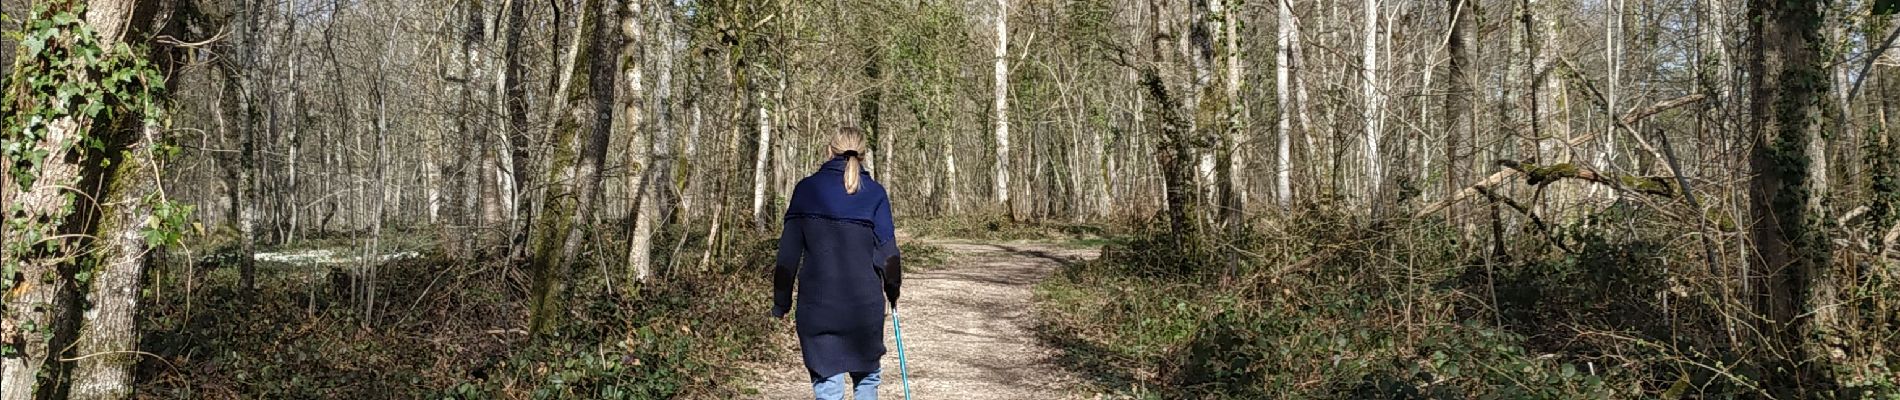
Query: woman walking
[{"x": 840, "y": 250}]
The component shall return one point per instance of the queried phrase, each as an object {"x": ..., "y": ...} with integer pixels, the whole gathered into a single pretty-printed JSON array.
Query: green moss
[
  {"x": 1542, "y": 174},
  {"x": 1645, "y": 184}
]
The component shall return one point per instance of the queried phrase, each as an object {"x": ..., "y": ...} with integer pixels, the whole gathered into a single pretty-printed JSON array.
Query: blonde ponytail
[
  {"x": 851, "y": 170},
  {"x": 849, "y": 143}
]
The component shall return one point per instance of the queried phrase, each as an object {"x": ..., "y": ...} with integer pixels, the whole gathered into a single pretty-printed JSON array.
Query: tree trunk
[
  {"x": 37, "y": 321},
  {"x": 642, "y": 174},
  {"x": 565, "y": 197},
  {"x": 109, "y": 337},
  {"x": 516, "y": 135},
  {"x": 593, "y": 155},
  {"x": 759, "y": 161},
  {"x": 1001, "y": 173},
  {"x": 39, "y": 210},
  {"x": 247, "y": 147},
  {"x": 366, "y": 273},
  {"x": 289, "y": 201},
  {"x": 1788, "y": 84},
  {"x": 1458, "y": 103},
  {"x": 871, "y": 108},
  {"x": 1283, "y": 83},
  {"x": 1239, "y": 136},
  {"x": 1374, "y": 110},
  {"x": 464, "y": 188}
]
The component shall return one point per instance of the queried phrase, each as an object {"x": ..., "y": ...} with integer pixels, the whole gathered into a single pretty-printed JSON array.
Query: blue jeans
[{"x": 832, "y": 388}]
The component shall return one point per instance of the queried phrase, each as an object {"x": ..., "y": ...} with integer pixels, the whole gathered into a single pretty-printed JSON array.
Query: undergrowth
[
  {"x": 444, "y": 329},
  {"x": 1320, "y": 308}
]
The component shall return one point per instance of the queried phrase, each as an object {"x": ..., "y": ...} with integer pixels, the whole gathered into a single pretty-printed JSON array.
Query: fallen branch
[
  {"x": 1543, "y": 175},
  {"x": 1467, "y": 192},
  {"x": 1629, "y": 118}
]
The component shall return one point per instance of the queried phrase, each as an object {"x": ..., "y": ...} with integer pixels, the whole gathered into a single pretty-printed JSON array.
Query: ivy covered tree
[{"x": 84, "y": 117}]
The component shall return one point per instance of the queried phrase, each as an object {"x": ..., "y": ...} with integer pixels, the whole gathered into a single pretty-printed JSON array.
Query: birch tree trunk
[
  {"x": 1283, "y": 83},
  {"x": 1001, "y": 173},
  {"x": 291, "y": 208},
  {"x": 1240, "y": 135},
  {"x": 1374, "y": 110},
  {"x": 641, "y": 173},
  {"x": 759, "y": 161}
]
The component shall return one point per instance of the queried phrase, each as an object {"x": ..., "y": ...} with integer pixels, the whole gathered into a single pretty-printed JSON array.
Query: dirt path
[{"x": 968, "y": 330}]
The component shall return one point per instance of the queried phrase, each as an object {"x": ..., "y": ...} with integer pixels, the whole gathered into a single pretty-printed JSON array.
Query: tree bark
[
  {"x": 1239, "y": 136},
  {"x": 109, "y": 337},
  {"x": 1374, "y": 107},
  {"x": 515, "y": 100},
  {"x": 1283, "y": 83},
  {"x": 1458, "y": 103},
  {"x": 641, "y": 177},
  {"x": 42, "y": 235},
  {"x": 1001, "y": 172},
  {"x": 246, "y": 202},
  {"x": 1788, "y": 83},
  {"x": 292, "y": 208},
  {"x": 567, "y": 206},
  {"x": 760, "y": 161},
  {"x": 464, "y": 171},
  {"x": 30, "y": 296}
]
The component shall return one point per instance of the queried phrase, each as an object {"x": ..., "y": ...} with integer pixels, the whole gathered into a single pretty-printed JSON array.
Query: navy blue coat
[{"x": 835, "y": 249}]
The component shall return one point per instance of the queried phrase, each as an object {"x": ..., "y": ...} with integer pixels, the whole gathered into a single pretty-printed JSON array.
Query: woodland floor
[{"x": 969, "y": 330}]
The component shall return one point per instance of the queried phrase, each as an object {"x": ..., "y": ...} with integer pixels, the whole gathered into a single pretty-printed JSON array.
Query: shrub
[{"x": 1322, "y": 308}]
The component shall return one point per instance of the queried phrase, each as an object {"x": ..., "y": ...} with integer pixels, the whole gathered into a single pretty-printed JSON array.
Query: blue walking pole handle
[{"x": 903, "y": 368}]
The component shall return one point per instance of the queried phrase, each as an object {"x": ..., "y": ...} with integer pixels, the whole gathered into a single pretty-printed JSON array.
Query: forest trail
[{"x": 969, "y": 329}]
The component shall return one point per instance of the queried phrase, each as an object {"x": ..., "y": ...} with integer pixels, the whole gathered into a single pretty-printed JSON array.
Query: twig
[
  {"x": 1535, "y": 220},
  {"x": 172, "y": 41},
  {"x": 1718, "y": 371}
]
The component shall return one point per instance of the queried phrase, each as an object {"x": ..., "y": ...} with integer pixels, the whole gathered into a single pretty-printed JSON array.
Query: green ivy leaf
[
  {"x": 33, "y": 44},
  {"x": 91, "y": 109}
]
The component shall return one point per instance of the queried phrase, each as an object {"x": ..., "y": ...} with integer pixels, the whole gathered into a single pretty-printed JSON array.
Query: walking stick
[{"x": 903, "y": 368}]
